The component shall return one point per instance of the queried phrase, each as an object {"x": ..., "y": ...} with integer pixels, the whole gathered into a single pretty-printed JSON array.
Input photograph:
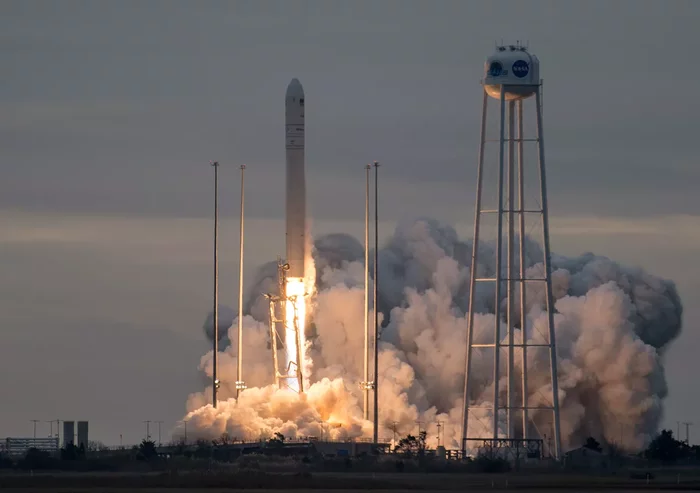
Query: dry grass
[{"x": 262, "y": 481}]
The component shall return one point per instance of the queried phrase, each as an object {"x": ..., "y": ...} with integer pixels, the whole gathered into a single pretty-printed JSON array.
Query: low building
[
  {"x": 584, "y": 458},
  {"x": 20, "y": 446}
]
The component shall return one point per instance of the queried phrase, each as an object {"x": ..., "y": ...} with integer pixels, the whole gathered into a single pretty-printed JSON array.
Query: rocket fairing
[{"x": 295, "y": 179}]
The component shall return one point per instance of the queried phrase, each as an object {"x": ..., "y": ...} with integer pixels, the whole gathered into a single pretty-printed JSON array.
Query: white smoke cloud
[{"x": 612, "y": 325}]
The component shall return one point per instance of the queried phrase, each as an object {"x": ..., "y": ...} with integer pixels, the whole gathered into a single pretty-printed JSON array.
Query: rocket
[{"x": 295, "y": 179}]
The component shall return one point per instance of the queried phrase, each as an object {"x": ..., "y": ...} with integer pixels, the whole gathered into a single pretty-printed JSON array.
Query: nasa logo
[
  {"x": 495, "y": 69},
  {"x": 520, "y": 68}
]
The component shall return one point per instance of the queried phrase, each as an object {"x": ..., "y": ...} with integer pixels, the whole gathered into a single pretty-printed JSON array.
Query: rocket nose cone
[{"x": 294, "y": 89}]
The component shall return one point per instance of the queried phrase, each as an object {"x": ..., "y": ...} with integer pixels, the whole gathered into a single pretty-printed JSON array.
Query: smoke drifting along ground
[{"x": 613, "y": 324}]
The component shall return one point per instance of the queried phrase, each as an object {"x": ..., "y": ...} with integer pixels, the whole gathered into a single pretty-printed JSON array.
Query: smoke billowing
[{"x": 613, "y": 324}]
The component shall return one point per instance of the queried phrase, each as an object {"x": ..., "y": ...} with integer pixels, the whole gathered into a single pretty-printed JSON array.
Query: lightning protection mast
[
  {"x": 366, "y": 385},
  {"x": 240, "y": 383},
  {"x": 215, "y": 379}
]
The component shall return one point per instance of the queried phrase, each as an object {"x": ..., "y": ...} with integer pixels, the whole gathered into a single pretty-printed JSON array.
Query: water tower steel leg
[
  {"x": 523, "y": 284},
  {"x": 510, "y": 276},
  {"x": 548, "y": 277},
  {"x": 473, "y": 274},
  {"x": 499, "y": 253}
]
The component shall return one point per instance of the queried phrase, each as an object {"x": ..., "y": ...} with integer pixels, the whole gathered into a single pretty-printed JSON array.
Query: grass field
[
  {"x": 227, "y": 490},
  {"x": 213, "y": 482}
]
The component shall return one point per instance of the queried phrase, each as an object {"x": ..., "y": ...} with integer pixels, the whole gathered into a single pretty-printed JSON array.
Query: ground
[{"x": 337, "y": 482}]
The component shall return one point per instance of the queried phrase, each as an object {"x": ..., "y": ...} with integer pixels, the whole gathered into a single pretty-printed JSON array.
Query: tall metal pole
[
  {"x": 159, "y": 423},
  {"x": 548, "y": 276},
  {"x": 499, "y": 275},
  {"x": 523, "y": 284},
  {"x": 510, "y": 295},
  {"x": 35, "y": 421},
  {"x": 240, "y": 385},
  {"x": 687, "y": 433},
  {"x": 215, "y": 380},
  {"x": 376, "y": 307},
  {"x": 472, "y": 278},
  {"x": 365, "y": 384}
]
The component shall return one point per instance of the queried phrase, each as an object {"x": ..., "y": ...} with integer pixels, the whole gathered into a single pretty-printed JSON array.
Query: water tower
[{"x": 512, "y": 76}]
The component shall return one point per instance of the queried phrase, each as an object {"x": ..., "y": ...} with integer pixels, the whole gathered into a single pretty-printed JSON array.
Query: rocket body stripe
[{"x": 295, "y": 179}]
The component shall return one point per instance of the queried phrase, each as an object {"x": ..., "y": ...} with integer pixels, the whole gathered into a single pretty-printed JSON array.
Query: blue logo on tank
[
  {"x": 520, "y": 68},
  {"x": 495, "y": 69}
]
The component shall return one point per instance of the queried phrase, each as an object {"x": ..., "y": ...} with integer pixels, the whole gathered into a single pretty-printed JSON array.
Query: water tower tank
[{"x": 514, "y": 67}]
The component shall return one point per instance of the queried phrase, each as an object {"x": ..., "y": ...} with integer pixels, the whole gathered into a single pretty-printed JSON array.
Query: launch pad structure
[{"x": 292, "y": 371}]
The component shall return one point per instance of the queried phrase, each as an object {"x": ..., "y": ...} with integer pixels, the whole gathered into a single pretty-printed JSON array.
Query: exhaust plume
[{"x": 613, "y": 324}]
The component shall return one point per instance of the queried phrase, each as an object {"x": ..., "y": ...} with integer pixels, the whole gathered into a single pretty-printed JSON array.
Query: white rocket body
[{"x": 295, "y": 180}]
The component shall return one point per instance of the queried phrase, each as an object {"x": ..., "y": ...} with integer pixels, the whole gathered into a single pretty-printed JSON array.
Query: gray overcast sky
[{"x": 110, "y": 112}]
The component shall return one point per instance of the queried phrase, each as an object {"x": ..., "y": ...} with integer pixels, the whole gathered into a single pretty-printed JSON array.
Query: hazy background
[{"x": 110, "y": 112}]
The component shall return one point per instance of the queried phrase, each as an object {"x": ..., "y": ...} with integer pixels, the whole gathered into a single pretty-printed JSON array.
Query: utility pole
[
  {"x": 419, "y": 423},
  {"x": 58, "y": 428},
  {"x": 215, "y": 380},
  {"x": 148, "y": 430},
  {"x": 185, "y": 422},
  {"x": 376, "y": 306},
  {"x": 439, "y": 428},
  {"x": 159, "y": 423},
  {"x": 35, "y": 421},
  {"x": 687, "y": 433},
  {"x": 393, "y": 428}
]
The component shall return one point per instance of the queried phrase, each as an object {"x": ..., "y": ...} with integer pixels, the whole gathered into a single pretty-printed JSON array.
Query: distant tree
[
  {"x": 276, "y": 441},
  {"x": 5, "y": 462},
  {"x": 665, "y": 448},
  {"x": 179, "y": 446},
  {"x": 203, "y": 449},
  {"x": 96, "y": 446},
  {"x": 412, "y": 445},
  {"x": 491, "y": 464},
  {"x": 147, "y": 449},
  {"x": 695, "y": 452},
  {"x": 225, "y": 439},
  {"x": 593, "y": 444},
  {"x": 407, "y": 444},
  {"x": 37, "y": 459},
  {"x": 70, "y": 452}
]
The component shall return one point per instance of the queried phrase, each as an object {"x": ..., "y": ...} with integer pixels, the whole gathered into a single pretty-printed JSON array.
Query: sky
[{"x": 110, "y": 112}]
